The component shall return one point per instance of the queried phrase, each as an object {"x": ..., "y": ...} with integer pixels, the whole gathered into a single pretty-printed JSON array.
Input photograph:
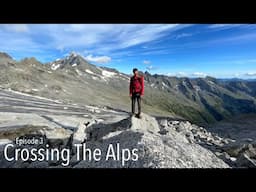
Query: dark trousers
[{"x": 136, "y": 96}]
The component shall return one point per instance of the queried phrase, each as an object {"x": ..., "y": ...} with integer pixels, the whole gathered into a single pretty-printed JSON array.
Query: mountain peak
[
  {"x": 5, "y": 55},
  {"x": 73, "y": 59},
  {"x": 211, "y": 78},
  {"x": 73, "y": 54},
  {"x": 30, "y": 60}
]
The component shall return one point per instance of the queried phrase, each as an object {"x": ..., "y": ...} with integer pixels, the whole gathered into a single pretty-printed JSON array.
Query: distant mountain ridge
[{"x": 200, "y": 100}]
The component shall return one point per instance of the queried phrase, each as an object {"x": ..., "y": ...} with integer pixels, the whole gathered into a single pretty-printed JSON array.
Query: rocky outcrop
[
  {"x": 172, "y": 144},
  {"x": 243, "y": 154},
  {"x": 136, "y": 143},
  {"x": 80, "y": 134},
  {"x": 157, "y": 149},
  {"x": 242, "y": 151},
  {"x": 245, "y": 160}
]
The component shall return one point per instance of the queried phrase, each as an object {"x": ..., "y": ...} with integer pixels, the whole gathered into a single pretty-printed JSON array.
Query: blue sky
[{"x": 193, "y": 50}]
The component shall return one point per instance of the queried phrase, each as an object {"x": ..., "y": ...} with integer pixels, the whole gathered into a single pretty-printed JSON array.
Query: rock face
[
  {"x": 245, "y": 160},
  {"x": 244, "y": 154},
  {"x": 5, "y": 58},
  {"x": 135, "y": 143},
  {"x": 172, "y": 149},
  {"x": 241, "y": 130}
]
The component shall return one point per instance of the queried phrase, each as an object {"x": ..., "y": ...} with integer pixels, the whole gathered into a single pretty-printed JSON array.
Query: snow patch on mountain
[
  {"x": 184, "y": 83},
  {"x": 78, "y": 72},
  {"x": 164, "y": 85},
  {"x": 108, "y": 73},
  {"x": 89, "y": 71},
  {"x": 55, "y": 66},
  {"x": 73, "y": 54},
  {"x": 197, "y": 88},
  {"x": 33, "y": 96},
  {"x": 125, "y": 77}
]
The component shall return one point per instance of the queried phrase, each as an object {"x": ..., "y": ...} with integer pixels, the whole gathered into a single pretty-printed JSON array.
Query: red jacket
[{"x": 137, "y": 85}]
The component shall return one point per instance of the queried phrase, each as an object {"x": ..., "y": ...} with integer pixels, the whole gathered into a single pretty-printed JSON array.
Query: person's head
[{"x": 135, "y": 71}]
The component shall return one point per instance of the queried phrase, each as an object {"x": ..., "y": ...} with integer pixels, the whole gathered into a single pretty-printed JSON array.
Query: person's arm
[
  {"x": 142, "y": 86},
  {"x": 130, "y": 86}
]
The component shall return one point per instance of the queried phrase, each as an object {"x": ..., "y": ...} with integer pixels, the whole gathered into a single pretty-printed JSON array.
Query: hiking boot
[
  {"x": 133, "y": 115},
  {"x": 139, "y": 116}
]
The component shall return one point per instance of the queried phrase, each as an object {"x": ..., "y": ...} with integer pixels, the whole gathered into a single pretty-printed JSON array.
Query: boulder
[
  {"x": 163, "y": 122},
  {"x": 245, "y": 161},
  {"x": 58, "y": 137},
  {"x": 80, "y": 134}
]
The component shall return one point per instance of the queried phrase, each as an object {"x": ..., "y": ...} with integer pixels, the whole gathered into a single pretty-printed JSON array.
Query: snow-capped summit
[
  {"x": 73, "y": 54},
  {"x": 81, "y": 66},
  {"x": 73, "y": 59}
]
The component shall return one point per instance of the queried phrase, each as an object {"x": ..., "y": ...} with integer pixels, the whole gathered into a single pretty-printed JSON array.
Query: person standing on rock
[{"x": 136, "y": 91}]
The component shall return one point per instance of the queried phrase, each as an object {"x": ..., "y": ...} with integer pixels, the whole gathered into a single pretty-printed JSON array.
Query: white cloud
[
  {"x": 74, "y": 27},
  {"x": 98, "y": 39},
  {"x": 199, "y": 74},
  {"x": 20, "y": 45},
  {"x": 184, "y": 74},
  {"x": 150, "y": 67},
  {"x": 250, "y": 74},
  {"x": 217, "y": 26},
  {"x": 104, "y": 38},
  {"x": 98, "y": 59},
  {"x": 146, "y": 62},
  {"x": 239, "y": 38},
  {"x": 156, "y": 52},
  {"x": 181, "y": 74},
  {"x": 137, "y": 34},
  {"x": 169, "y": 74},
  {"x": 15, "y": 27},
  {"x": 183, "y": 35}
]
